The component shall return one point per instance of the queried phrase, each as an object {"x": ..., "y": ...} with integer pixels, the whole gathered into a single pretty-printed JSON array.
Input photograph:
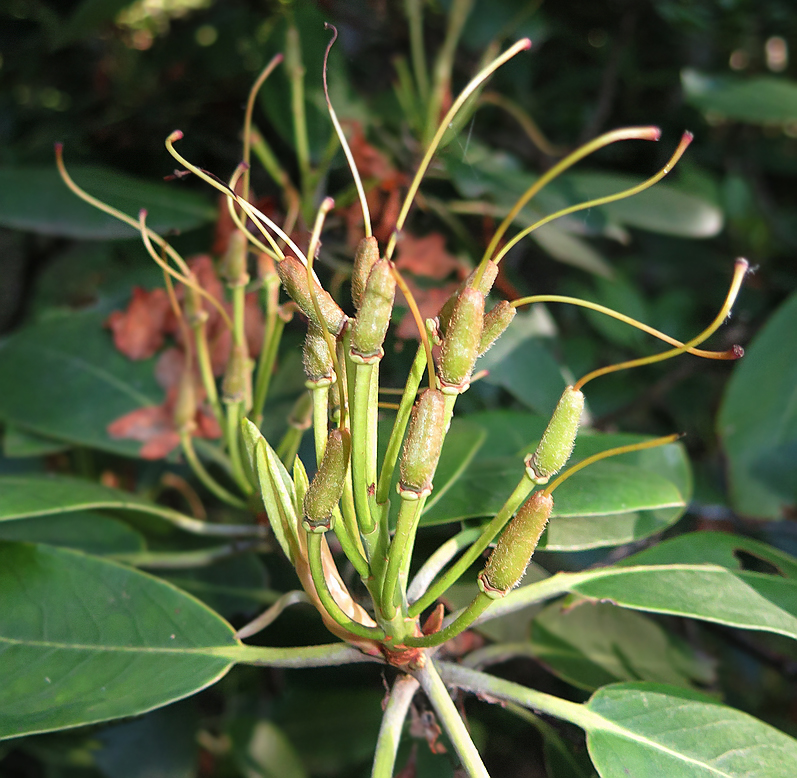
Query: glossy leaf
[
  {"x": 19, "y": 443},
  {"x": 715, "y": 548},
  {"x": 42, "y": 495},
  {"x": 36, "y": 199},
  {"x": 663, "y": 208},
  {"x": 69, "y": 382},
  {"x": 82, "y": 531},
  {"x": 757, "y": 422},
  {"x": 609, "y": 503},
  {"x": 590, "y": 644},
  {"x": 758, "y": 100},
  {"x": 84, "y": 640},
  {"x": 639, "y": 730}
]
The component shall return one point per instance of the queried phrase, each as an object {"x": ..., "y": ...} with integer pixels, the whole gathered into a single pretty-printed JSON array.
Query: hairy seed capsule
[
  {"x": 423, "y": 444},
  {"x": 486, "y": 284},
  {"x": 317, "y": 360},
  {"x": 237, "y": 382},
  {"x": 557, "y": 442},
  {"x": 461, "y": 343},
  {"x": 293, "y": 275},
  {"x": 368, "y": 332},
  {"x": 511, "y": 556},
  {"x": 233, "y": 265},
  {"x": 366, "y": 256},
  {"x": 326, "y": 488},
  {"x": 495, "y": 324}
]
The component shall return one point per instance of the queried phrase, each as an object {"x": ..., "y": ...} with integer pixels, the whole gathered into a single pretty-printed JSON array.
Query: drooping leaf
[
  {"x": 757, "y": 422},
  {"x": 594, "y": 643},
  {"x": 84, "y": 640},
  {"x": 69, "y": 382},
  {"x": 37, "y": 199},
  {"x": 638, "y": 730},
  {"x": 19, "y": 443},
  {"x": 758, "y": 100}
]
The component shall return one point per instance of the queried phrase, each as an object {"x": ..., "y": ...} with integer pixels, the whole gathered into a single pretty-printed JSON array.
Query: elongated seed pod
[
  {"x": 366, "y": 256},
  {"x": 293, "y": 275},
  {"x": 495, "y": 323},
  {"x": 233, "y": 264},
  {"x": 461, "y": 342},
  {"x": 560, "y": 435},
  {"x": 488, "y": 279},
  {"x": 327, "y": 486},
  {"x": 237, "y": 382},
  {"x": 423, "y": 444},
  {"x": 511, "y": 556},
  {"x": 317, "y": 360},
  {"x": 368, "y": 332},
  {"x": 185, "y": 407}
]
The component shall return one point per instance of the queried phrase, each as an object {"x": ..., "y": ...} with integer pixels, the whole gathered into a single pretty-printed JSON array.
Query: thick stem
[
  {"x": 234, "y": 447},
  {"x": 327, "y": 655},
  {"x": 489, "y": 686},
  {"x": 409, "y": 513},
  {"x": 362, "y": 448},
  {"x": 438, "y": 560},
  {"x": 452, "y": 722},
  {"x": 274, "y": 327},
  {"x": 468, "y": 615},
  {"x": 398, "y": 704},
  {"x": 508, "y": 509},
  {"x": 400, "y": 425},
  {"x": 205, "y": 477}
]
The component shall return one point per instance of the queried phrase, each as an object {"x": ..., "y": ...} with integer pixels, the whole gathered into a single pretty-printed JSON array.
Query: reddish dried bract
[{"x": 138, "y": 331}]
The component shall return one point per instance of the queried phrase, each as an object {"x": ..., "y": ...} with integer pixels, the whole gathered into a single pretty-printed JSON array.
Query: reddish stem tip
[
  {"x": 742, "y": 262},
  {"x": 142, "y": 214},
  {"x": 176, "y": 135},
  {"x": 738, "y": 351},
  {"x": 59, "y": 146},
  {"x": 526, "y": 43},
  {"x": 688, "y": 136}
]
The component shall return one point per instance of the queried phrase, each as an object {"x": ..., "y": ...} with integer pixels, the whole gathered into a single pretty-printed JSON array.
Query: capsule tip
[
  {"x": 737, "y": 351},
  {"x": 176, "y": 135}
]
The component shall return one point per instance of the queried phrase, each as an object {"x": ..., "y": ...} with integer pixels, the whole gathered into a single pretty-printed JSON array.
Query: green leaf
[
  {"x": 590, "y": 644},
  {"x": 758, "y": 100},
  {"x": 757, "y": 421},
  {"x": 69, "y": 382},
  {"x": 267, "y": 753},
  {"x": 18, "y": 443},
  {"x": 639, "y": 730},
  {"x": 715, "y": 548},
  {"x": 85, "y": 640},
  {"x": 36, "y": 199},
  {"x": 88, "y": 532},
  {"x": 162, "y": 744},
  {"x": 663, "y": 208},
  {"x": 610, "y": 503}
]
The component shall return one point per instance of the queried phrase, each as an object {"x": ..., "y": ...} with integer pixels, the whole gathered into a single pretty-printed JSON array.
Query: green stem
[
  {"x": 464, "y": 620},
  {"x": 400, "y": 425},
  {"x": 206, "y": 478},
  {"x": 362, "y": 447},
  {"x": 349, "y": 545},
  {"x": 180, "y": 560},
  {"x": 293, "y": 62},
  {"x": 328, "y": 655},
  {"x": 486, "y": 685},
  {"x": 449, "y": 717},
  {"x": 409, "y": 514},
  {"x": 206, "y": 368},
  {"x": 438, "y": 560},
  {"x": 508, "y": 509},
  {"x": 414, "y": 11},
  {"x": 320, "y": 420},
  {"x": 274, "y": 327},
  {"x": 332, "y": 608},
  {"x": 395, "y": 713},
  {"x": 269, "y": 615},
  {"x": 234, "y": 447}
]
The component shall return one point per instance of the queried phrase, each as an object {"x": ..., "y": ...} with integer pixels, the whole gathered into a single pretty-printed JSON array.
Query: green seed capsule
[
  {"x": 423, "y": 444},
  {"x": 233, "y": 265},
  {"x": 326, "y": 487},
  {"x": 293, "y": 275},
  {"x": 461, "y": 343},
  {"x": 237, "y": 383},
  {"x": 318, "y": 366},
  {"x": 488, "y": 279},
  {"x": 557, "y": 442},
  {"x": 366, "y": 256},
  {"x": 368, "y": 332},
  {"x": 495, "y": 323},
  {"x": 508, "y": 562}
]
